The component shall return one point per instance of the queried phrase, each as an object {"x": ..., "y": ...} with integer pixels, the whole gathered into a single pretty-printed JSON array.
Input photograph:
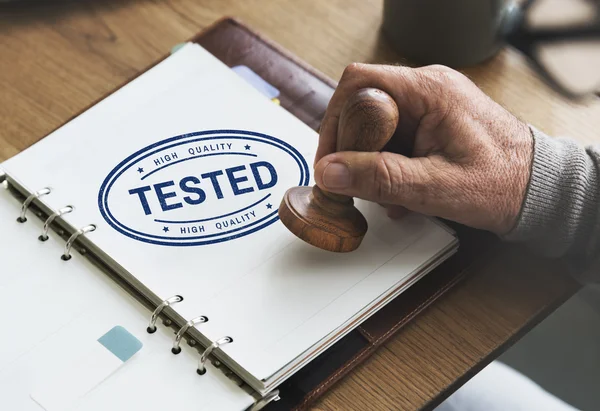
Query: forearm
[{"x": 560, "y": 216}]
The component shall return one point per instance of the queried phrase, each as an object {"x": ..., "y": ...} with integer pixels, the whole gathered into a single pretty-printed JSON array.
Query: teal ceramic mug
[
  {"x": 561, "y": 43},
  {"x": 455, "y": 33}
]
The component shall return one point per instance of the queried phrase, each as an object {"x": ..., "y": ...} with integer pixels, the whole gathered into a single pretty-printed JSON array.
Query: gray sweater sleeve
[{"x": 560, "y": 215}]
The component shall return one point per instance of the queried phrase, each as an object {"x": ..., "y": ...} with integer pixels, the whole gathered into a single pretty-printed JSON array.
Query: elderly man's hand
[{"x": 471, "y": 158}]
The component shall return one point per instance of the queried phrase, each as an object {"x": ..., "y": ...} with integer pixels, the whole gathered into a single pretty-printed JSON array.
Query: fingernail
[{"x": 336, "y": 175}]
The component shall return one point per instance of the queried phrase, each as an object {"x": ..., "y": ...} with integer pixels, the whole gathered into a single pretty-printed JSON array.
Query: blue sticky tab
[
  {"x": 121, "y": 343},
  {"x": 177, "y": 47},
  {"x": 251, "y": 77}
]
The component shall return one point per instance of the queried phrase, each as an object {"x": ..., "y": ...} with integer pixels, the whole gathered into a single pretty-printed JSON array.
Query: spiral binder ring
[
  {"x": 82, "y": 231},
  {"x": 272, "y": 396},
  {"x": 176, "y": 348},
  {"x": 64, "y": 210},
  {"x": 22, "y": 218},
  {"x": 169, "y": 301},
  {"x": 221, "y": 341}
]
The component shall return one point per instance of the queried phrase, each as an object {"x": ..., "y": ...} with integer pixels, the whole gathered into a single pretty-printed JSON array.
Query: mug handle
[{"x": 524, "y": 39}]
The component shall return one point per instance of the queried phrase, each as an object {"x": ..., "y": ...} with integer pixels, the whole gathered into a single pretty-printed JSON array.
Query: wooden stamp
[{"x": 331, "y": 221}]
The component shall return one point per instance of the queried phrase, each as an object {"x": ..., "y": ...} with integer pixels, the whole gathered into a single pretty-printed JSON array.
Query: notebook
[{"x": 174, "y": 181}]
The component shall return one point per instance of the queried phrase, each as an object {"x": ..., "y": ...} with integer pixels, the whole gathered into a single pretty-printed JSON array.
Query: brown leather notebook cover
[{"x": 305, "y": 93}]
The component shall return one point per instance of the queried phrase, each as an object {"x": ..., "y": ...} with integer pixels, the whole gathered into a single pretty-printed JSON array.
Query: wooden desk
[{"x": 56, "y": 59}]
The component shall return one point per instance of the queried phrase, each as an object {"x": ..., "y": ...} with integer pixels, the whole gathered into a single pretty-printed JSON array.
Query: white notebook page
[
  {"x": 56, "y": 310},
  {"x": 273, "y": 294}
]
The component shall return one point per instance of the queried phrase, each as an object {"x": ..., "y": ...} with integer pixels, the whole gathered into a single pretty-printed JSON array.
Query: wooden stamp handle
[{"x": 367, "y": 122}]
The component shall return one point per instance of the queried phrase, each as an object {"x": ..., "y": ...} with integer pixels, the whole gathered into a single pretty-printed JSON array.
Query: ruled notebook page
[
  {"x": 55, "y": 313},
  {"x": 184, "y": 189}
]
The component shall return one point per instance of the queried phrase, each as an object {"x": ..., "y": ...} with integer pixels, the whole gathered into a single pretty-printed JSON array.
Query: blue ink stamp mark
[{"x": 201, "y": 188}]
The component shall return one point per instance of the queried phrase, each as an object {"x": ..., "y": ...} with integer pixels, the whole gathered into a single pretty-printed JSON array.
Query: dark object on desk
[
  {"x": 331, "y": 221},
  {"x": 450, "y": 32},
  {"x": 560, "y": 41}
]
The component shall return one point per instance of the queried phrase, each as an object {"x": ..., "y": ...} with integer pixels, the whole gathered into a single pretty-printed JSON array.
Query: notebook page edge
[
  {"x": 437, "y": 256},
  {"x": 283, "y": 374}
]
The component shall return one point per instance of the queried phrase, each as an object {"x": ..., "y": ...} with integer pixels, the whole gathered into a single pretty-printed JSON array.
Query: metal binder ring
[
  {"x": 28, "y": 201},
  {"x": 272, "y": 396},
  {"x": 64, "y": 210},
  {"x": 221, "y": 341},
  {"x": 172, "y": 300},
  {"x": 176, "y": 348},
  {"x": 87, "y": 229}
]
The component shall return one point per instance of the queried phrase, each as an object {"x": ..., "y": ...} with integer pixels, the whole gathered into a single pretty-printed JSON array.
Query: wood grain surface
[{"x": 57, "y": 57}]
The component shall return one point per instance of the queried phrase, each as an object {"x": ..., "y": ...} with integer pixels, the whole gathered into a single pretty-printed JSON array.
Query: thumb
[{"x": 386, "y": 178}]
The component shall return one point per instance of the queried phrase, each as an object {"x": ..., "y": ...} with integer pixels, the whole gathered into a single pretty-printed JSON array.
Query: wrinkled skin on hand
[{"x": 470, "y": 159}]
